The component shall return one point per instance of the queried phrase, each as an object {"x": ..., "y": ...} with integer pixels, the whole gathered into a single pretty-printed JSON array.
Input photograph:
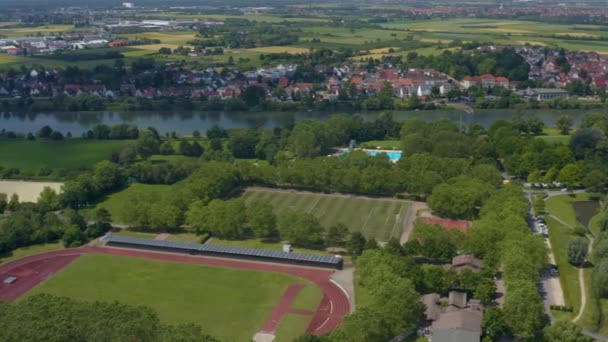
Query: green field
[
  {"x": 375, "y": 218},
  {"x": 228, "y": 303},
  {"x": 30, "y": 156},
  {"x": 116, "y": 202}
]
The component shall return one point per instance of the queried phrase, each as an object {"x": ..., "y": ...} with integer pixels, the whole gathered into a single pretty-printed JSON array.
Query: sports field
[
  {"x": 30, "y": 156},
  {"x": 377, "y": 218},
  {"x": 228, "y": 303}
]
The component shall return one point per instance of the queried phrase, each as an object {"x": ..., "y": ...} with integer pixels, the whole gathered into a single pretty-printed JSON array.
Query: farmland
[
  {"x": 71, "y": 154},
  {"x": 375, "y": 218},
  {"x": 182, "y": 293}
]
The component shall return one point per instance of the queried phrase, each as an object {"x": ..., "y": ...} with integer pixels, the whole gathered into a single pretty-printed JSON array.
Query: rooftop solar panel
[{"x": 188, "y": 246}]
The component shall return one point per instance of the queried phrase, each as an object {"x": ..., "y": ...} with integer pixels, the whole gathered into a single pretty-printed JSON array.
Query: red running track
[{"x": 32, "y": 270}]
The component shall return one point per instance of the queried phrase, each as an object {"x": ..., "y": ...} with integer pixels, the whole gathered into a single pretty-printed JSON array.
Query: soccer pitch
[
  {"x": 380, "y": 218},
  {"x": 230, "y": 304}
]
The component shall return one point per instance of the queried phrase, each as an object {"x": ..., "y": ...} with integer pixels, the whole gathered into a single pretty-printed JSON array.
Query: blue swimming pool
[{"x": 392, "y": 155}]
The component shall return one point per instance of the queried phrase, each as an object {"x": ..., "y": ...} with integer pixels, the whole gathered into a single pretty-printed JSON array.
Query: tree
[
  {"x": 254, "y": 95},
  {"x": 222, "y": 218},
  {"x": 300, "y": 228},
  {"x": 571, "y": 175},
  {"x": 48, "y": 199},
  {"x": 102, "y": 224},
  {"x": 3, "y": 202},
  {"x": 74, "y": 237},
  {"x": 356, "y": 244},
  {"x": 166, "y": 148},
  {"x": 337, "y": 235},
  {"x": 127, "y": 155},
  {"x": 577, "y": 250},
  {"x": 44, "y": 132},
  {"x": 13, "y": 204},
  {"x": 148, "y": 143},
  {"x": 493, "y": 324},
  {"x": 565, "y": 331},
  {"x": 485, "y": 291},
  {"x": 523, "y": 310},
  {"x": 458, "y": 198},
  {"x": 196, "y": 134},
  {"x": 564, "y": 124},
  {"x": 599, "y": 279},
  {"x": 261, "y": 218}
]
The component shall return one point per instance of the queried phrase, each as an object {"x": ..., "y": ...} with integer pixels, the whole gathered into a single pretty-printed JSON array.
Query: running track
[{"x": 32, "y": 270}]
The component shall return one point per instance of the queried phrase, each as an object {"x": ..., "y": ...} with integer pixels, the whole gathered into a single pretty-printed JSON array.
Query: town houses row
[{"x": 282, "y": 82}]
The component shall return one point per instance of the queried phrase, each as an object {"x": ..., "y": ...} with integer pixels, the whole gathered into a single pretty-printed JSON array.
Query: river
[{"x": 185, "y": 123}]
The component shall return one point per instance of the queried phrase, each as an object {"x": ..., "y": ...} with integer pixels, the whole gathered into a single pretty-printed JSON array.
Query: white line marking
[
  {"x": 331, "y": 306},
  {"x": 324, "y": 322}
]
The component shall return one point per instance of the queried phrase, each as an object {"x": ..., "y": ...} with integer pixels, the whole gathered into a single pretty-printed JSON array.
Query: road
[{"x": 550, "y": 287}]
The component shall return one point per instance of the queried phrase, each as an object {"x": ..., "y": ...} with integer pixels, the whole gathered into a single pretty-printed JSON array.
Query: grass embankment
[
  {"x": 228, "y": 303},
  {"x": 70, "y": 154},
  {"x": 30, "y": 250},
  {"x": 375, "y": 218}
]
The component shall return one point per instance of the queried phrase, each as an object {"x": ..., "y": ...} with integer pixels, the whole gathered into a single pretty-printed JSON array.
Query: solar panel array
[{"x": 215, "y": 249}]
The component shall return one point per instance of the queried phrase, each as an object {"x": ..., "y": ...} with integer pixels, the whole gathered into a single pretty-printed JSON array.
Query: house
[
  {"x": 467, "y": 261},
  {"x": 457, "y": 326},
  {"x": 541, "y": 94},
  {"x": 453, "y": 319}
]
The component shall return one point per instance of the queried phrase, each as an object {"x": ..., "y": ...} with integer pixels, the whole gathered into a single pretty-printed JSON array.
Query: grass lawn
[
  {"x": 30, "y": 156},
  {"x": 30, "y": 250},
  {"x": 308, "y": 295},
  {"x": 568, "y": 274},
  {"x": 292, "y": 326},
  {"x": 553, "y": 136},
  {"x": 377, "y": 218},
  {"x": 561, "y": 206},
  {"x": 116, "y": 203},
  {"x": 228, "y": 303},
  {"x": 383, "y": 144}
]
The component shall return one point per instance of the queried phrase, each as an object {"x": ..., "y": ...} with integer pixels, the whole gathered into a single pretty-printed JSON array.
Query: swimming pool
[{"x": 392, "y": 155}]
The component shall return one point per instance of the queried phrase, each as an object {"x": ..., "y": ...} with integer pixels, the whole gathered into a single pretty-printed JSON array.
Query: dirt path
[
  {"x": 412, "y": 214},
  {"x": 581, "y": 280}
]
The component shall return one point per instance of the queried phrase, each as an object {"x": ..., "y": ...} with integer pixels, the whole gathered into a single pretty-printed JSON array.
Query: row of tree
[{"x": 48, "y": 318}]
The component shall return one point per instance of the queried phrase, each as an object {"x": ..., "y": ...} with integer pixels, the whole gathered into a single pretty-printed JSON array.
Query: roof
[
  {"x": 458, "y": 299},
  {"x": 432, "y": 309},
  {"x": 548, "y": 91},
  {"x": 188, "y": 246},
  {"x": 466, "y": 260},
  {"x": 469, "y": 320}
]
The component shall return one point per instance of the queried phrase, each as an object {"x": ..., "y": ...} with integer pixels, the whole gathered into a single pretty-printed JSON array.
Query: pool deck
[{"x": 342, "y": 151}]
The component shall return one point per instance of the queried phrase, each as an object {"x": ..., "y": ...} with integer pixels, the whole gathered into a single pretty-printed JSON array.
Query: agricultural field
[
  {"x": 70, "y": 154},
  {"x": 167, "y": 37},
  {"x": 33, "y": 31},
  {"x": 375, "y": 218},
  {"x": 228, "y": 303}
]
